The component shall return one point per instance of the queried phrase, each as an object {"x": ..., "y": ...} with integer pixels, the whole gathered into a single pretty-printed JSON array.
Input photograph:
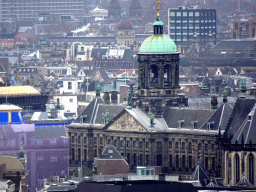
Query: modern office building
[
  {"x": 184, "y": 22},
  {"x": 29, "y": 10}
]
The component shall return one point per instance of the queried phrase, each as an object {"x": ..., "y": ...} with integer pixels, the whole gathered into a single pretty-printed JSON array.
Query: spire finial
[{"x": 158, "y": 8}]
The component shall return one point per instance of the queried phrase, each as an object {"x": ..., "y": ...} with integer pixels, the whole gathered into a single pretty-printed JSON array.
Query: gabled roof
[
  {"x": 90, "y": 111},
  {"x": 219, "y": 119},
  {"x": 247, "y": 131},
  {"x": 143, "y": 119},
  {"x": 199, "y": 175},
  {"x": 110, "y": 152},
  {"x": 244, "y": 183},
  {"x": 240, "y": 112}
]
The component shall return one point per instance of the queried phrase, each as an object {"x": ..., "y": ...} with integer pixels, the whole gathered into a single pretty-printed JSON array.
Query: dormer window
[
  {"x": 209, "y": 125},
  {"x": 180, "y": 123}
]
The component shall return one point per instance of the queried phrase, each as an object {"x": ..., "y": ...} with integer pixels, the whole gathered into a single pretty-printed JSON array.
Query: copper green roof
[
  {"x": 158, "y": 44},
  {"x": 158, "y": 22}
]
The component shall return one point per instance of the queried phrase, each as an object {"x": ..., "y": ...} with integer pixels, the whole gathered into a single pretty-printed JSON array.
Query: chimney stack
[
  {"x": 106, "y": 97},
  {"x": 114, "y": 97}
]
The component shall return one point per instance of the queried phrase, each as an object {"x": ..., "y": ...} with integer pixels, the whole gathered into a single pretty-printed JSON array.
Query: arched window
[
  {"x": 153, "y": 74},
  {"x": 167, "y": 75},
  {"x": 251, "y": 169},
  {"x": 237, "y": 168}
]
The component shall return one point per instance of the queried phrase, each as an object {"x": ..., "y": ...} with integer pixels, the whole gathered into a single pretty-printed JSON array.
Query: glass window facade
[{"x": 183, "y": 23}]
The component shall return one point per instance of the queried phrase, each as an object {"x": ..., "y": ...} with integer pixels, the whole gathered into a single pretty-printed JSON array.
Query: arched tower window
[
  {"x": 153, "y": 74},
  {"x": 251, "y": 169},
  {"x": 237, "y": 168},
  {"x": 167, "y": 75}
]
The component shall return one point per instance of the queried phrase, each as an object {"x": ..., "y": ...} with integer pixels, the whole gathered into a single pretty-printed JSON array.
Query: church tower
[
  {"x": 135, "y": 13},
  {"x": 114, "y": 11},
  {"x": 158, "y": 78}
]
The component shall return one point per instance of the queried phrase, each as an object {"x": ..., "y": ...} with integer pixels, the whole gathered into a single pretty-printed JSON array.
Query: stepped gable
[
  {"x": 240, "y": 112},
  {"x": 247, "y": 131},
  {"x": 173, "y": 115},
  {"x": 219, "y": 119}
]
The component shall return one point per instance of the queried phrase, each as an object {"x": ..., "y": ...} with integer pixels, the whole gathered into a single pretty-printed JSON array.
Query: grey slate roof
[
  {"x": 205, "y": 102},
  {"x": 144, "y": 120},
  {"x": 220, "y": 118},
  {"x": 199, "y": 175},
  {"x": 240, "y": 112},
  {"x": 90, "y": 111},
  {"x": 50, "y": 132},
  {"x": 235, "y": 44},
  {"x": 110, "y": 152},
  {"x": 2, "y": 69},
  {"x": 247, "y": 131},
  {"x": 93, "y": 112},
  {"x": 113, "y": 110},
  {"x": 173, "y": 115}
]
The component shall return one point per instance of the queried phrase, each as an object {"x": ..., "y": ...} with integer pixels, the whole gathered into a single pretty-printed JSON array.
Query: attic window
[
  {"x": 209, "y": 125},
  {"x": 180, "y": 123},
  {"x": 83, "y": 119},
  {"x": 110, "y": 151},
  {"x": 194, "y": 124}
]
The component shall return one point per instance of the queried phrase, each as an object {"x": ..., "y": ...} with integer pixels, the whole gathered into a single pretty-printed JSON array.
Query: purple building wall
[{"x": 46, "y": 149}]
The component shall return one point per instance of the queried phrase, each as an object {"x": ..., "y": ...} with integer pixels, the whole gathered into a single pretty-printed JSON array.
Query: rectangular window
[
  {"x": 101, "y": 140},
  {"x": 128, "y": 144},
  {"x": 134, "y": 144},
  {"x": 53, "y": 140},
  {"x": 141, "y": 145},
  {"x": 170, "y": 161},
  {"x": 70, "y": 100},
  {"x": 185, "y": 14},
  {"x": 122, "y": 143},
  {"x": 147, "y": 145},
  {"x": 159, "y": 145},
  {"x": 69, "y": 85},
  {"x": 170, "y": 144},
  {"x": 178, "y": 14},
  {"x": 172, "y": 14},
  {"x": 53, "y": 158},
  {"x": 176, "y": 145},
  {"x": 95, "y": 140}
]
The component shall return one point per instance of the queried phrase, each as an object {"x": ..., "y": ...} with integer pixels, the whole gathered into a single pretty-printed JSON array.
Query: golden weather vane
[{"x": 158, "y": 7}]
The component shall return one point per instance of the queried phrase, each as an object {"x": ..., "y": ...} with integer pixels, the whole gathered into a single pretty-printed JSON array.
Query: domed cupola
[
  {"x": 158, "y": 74},
  {"x": 158, "y": 43}
]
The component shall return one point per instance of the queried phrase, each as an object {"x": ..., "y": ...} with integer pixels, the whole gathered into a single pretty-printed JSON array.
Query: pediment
[{"x": 125, "y": 123}]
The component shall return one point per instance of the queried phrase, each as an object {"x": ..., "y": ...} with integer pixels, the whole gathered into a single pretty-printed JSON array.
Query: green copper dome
[
  {"x": 158, "y": 44},
  {"x": 158, "y": 22}
]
